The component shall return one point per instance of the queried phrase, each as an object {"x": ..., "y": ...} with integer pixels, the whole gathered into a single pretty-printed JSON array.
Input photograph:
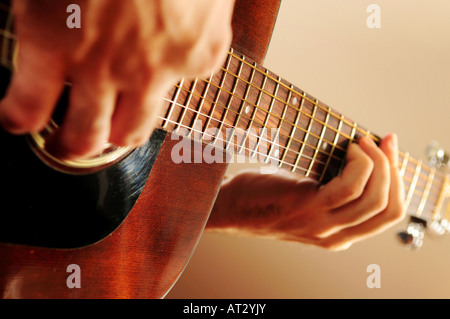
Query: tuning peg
[
  {"x": 436, "y": 155},
  {"x": 413, "y": 236}
]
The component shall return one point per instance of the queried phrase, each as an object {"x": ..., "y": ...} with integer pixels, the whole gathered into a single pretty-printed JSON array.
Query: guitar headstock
[{"x": 437, "y": 219}]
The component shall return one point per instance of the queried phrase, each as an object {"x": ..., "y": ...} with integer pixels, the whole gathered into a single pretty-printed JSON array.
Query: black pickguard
[{"x": 40, "y": 206}]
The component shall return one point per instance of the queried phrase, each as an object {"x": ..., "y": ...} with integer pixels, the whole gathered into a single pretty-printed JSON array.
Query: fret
[
  {"x": 217, "y": 96},
  {"x": 333, "y": 147},
  {"x": 292, "y": 133},
  {"x": 322, "y": 134},
  {"x": 261, "y": 94},
  {"x": 412, "y": 186},
  {"x": 230, "y": 99},
  {"x": 353, "y": 133},
  {"x": 443, "y": 194},
  {"x": 266, "y": 120},
  {"x": 277, "y": 133},
  {"x": 174, "y": 101},
  {"x": 255, "y": 109},
  {"x": 275, "y": 140},
  {"x": 258, "y": 101},
  {"x": 243, "y": 106},
  {"x": 186, "y": 107},
  {"x": 425, "y": 194},
  {"x": 404, "y": 165},
  {"x": 305, "y": 139},
  {"x": 201, "y": 102}
]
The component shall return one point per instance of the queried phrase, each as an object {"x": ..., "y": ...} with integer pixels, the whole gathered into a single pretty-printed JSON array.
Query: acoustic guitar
[{"x": 124, "y": 224}]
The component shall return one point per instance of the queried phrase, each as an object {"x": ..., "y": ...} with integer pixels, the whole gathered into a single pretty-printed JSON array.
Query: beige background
[{"x": 396, "y": 78}]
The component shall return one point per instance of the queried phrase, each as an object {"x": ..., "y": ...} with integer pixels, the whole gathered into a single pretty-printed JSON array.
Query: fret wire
[
  {"x": 224, "y": 140},
  {"x": 243, "y": 105},
  {"x": 412, "y": 186},
  {"x": 283, "y": 115},
  {"x": 177, "y": 94},
  {"x": 188, "y": 101},
  {"x": 256, "y": 107},
  {"x": 404, "y": 163},
  {"x": 227, "y": 107},
  {"x": 336, "y": 139},
  {"x": 302, "y": 149},
  {"x": 319, "y": 145},
  {"x": 202, "y": 100},
  {"x": 216, "y": 98},
  {"x": 297, "y": 117},
  {"x": 426, "y": 192},
  {"x": 267, "y": 118},
  {"x": 444, "y": 192},
  {"x": 263, "y": 125}
]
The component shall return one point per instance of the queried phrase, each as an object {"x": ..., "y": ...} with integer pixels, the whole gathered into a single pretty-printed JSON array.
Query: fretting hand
[{"x": 365, "y": 200}]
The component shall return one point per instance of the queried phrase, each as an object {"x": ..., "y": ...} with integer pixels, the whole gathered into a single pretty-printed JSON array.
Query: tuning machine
[
  {"x": 413, "y": 236},
  {"x": 437, "y": 157},
  {"x": 435, "y": 221}
]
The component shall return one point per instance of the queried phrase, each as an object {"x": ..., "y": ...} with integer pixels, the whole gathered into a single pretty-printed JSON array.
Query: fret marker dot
[
  {"x": 276, "y": 153},
  {"x": 294, "y": 100},
  {"x": 247, "y": 109},
  {"x": 324, "y": 146}
]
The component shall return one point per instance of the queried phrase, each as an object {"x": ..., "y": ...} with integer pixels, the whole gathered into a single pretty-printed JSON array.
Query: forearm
[{"x": 247, "y": 202}]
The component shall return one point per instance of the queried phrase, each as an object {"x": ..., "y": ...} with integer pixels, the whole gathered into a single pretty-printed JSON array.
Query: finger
[
  {"x": 86, "y": 126},
  {"x": 34, "y": 90},
  {"x": 135, "y": 117},
  {"x": 393, "y": 213},
  {"x": 350, "y": 185}
]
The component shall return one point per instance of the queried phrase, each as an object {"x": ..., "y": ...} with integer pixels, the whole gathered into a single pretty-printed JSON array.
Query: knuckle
[
  {"x": 378, "y": 203},
  {"x": 397, "y": 214},
  {"x": 351, "y": 191},
  {"x": 19, "y": 124}
]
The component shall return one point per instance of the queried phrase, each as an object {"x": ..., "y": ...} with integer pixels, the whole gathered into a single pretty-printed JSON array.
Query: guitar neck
[{"x": 245, "y": 109}]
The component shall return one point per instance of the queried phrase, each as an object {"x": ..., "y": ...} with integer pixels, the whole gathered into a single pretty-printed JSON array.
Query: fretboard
[{"x": 245, "y": 109}]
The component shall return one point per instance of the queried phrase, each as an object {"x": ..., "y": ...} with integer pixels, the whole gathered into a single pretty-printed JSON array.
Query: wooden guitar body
[{"x": 130, "y": 229}]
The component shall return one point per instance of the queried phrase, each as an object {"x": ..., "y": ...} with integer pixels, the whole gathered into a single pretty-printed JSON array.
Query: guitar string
[
  {"x": 243, "y": 100},
  {"x": 232, "y": 143},
  {"x": 416, "y": 191},
  {"x": 310, "y": 146},
  {"x": 259, "y": 137},
  {"x": 261, "y": 124},
  {"x": 11, "y": 36},
  {"x": 303, "y": 96},
  {"x": 428, "y": 208},
  {"x": 376, "y": 139}
]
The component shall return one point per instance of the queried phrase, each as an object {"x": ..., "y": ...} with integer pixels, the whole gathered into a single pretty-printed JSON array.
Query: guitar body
[{"x": 130, "y": 229}]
